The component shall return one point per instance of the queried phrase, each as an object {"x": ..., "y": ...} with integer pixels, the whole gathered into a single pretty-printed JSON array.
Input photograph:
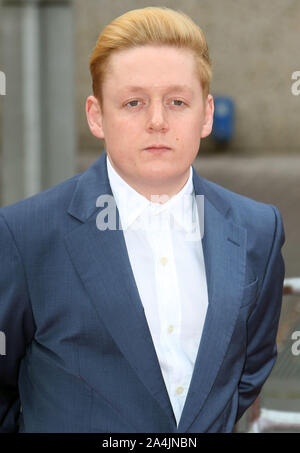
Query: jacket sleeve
[
  {"x": 16, "y": 326},
  {"x": 263, "y": 323}
]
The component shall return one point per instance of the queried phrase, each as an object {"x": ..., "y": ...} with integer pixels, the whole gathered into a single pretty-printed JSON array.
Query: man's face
[{"x": 152, "y": 97}]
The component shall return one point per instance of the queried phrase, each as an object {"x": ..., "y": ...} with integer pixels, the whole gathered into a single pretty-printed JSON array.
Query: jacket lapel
[
  {"x": 224, "y": 249},
  {"x": 102, "y": 262}
]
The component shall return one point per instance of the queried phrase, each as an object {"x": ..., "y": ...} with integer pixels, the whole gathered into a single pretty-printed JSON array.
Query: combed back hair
[{"x": 150, "y": 26}]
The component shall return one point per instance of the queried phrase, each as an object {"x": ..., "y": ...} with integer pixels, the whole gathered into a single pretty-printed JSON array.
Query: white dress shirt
[{"x": 170, "y": 276}]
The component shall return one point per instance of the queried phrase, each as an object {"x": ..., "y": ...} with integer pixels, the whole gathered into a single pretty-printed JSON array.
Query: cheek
[
  {"x": 187, "y": 135},
  {"x": 121, "y": 134},
  {"x": 122, "y": 143},
  {"x": 130, "y": 127}
]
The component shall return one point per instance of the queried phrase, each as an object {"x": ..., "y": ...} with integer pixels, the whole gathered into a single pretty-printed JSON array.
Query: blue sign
[{"x": 223, "y": 127}]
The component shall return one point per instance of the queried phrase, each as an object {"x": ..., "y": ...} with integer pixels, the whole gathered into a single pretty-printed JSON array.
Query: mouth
[{"x": 157, "y": 149}]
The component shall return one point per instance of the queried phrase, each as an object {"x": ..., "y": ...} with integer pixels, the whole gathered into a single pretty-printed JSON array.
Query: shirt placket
[{"x": 169, "y": 308}]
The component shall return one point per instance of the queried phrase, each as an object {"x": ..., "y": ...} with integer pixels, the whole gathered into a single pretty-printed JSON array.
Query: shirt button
[
  {"x": 179, "y": 390},
  {"x": 164, "y": 260},
  {"x": 170, "y": 328}
]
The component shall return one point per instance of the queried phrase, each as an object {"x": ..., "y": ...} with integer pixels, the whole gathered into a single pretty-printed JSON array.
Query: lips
[{"x": 157, "y": 148}]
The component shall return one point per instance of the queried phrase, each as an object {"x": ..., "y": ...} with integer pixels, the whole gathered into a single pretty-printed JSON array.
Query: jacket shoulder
[
  {"x": 240, "y": 208},
  {"x": 53, "y": 199},
  {"x": 262, "y": 221}
]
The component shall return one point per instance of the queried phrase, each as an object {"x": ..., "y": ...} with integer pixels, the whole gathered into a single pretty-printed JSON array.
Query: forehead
[
  {"x": 162, "y": 67},
  {"x": 184, "y": 89}
]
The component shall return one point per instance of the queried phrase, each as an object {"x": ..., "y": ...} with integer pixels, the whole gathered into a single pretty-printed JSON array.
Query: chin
[{"x": 159, "y": 174}]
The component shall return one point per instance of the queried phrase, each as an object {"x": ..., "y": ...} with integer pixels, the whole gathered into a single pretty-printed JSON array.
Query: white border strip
[{"x": 31, "y": 98}]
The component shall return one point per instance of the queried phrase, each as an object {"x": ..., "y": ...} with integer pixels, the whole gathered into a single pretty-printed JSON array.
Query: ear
[
  {"x": 209, "y": 116},
  {"x": 94, "y": 116}
]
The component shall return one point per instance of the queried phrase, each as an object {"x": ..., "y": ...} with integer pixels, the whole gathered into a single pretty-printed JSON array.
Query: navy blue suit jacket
[{"x": 79, "y": 353}]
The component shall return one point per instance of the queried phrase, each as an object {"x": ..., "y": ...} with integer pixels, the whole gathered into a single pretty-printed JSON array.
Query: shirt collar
[{"x": 132, "y": 204}]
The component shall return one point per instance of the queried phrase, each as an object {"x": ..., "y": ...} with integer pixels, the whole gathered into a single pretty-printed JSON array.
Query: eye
[
  {"x": 132, "y": 103},
  {"x": 178, "y": 102}
]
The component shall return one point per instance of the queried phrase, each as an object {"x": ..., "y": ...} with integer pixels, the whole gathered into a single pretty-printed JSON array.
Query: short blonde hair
[{"x": 150, "y": 26}]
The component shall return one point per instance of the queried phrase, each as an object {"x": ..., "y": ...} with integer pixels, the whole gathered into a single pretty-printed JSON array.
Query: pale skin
[{"x": 152, "y": 96}]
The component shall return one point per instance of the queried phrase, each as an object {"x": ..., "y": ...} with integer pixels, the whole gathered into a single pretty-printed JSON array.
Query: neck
[
  {"x": 159, "y": 190},
  {"x": 161, "y": 193}
]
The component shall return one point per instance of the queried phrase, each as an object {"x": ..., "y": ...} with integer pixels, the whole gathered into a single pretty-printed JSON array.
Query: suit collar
[
  {"x": 204, "y": 187},
  {"x": 94, "y": 182}
]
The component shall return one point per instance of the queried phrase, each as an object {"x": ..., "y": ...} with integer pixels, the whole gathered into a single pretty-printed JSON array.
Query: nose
[{"x": 157, "y": 120}]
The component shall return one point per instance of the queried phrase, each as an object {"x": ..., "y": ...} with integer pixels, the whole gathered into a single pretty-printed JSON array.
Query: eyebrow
[{"x": 178, "y": 88}]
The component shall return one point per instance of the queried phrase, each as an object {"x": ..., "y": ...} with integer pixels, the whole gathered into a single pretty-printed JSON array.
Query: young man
[{"x": 117, "y": 324}]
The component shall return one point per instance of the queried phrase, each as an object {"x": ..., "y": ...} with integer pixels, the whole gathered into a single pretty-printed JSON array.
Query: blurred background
[{"x": 254, "y": 150}]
